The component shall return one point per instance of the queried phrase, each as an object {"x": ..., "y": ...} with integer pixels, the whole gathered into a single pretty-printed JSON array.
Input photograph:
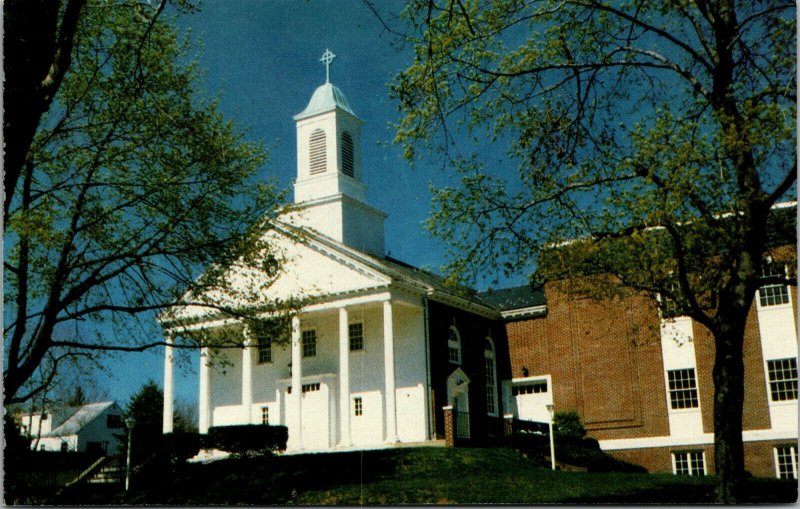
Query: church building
[{"x": 383, "y": 353}]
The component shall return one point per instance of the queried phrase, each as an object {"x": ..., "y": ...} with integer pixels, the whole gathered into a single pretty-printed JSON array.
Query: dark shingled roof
[{"x": 514, "y": 298}]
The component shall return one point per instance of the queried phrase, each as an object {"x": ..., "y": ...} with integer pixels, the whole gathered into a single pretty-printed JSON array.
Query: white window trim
[
  {"x": 458, "y": 346},
  {"x": 674, "y": 455},
  {"x": 784, "y": 402},
  {"x": 792, "y": 452},
  {"x": 302, "y": 343},
  {"x": 669, "y": 396},
  {"x": 363, "y": 336},
  {"x": 493, "y": 358},
  {"x": 785, "y": 305}
]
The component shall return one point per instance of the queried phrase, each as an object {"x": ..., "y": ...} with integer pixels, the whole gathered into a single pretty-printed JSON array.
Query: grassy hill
[{"x": 420, "y": 476}]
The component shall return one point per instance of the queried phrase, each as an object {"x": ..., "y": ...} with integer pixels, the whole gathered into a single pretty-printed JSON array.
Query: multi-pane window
[
  {"x": 309, "y": 343},
  {"x": 682, "y": 388},
  {"x": 491, "y": 378},
  {"x": 317, "y": 158},
  {"x": 358, "y": 407},
  {"x": 313, "y": 387},
  {"x": 537, "y": 387},
  {"x": 786, "y": 461},
  {"x": 772, "y": 294},
  {"x": 688, "y": 463},
  {"x": 264, "y": 346},
  {"x": 454, "y": 346},
  {"x": 264, "y": 415},
  {"x": 356, "y": 333},
  {"x": 782, "y": 379},
  {"x": 347, "y": 154}
]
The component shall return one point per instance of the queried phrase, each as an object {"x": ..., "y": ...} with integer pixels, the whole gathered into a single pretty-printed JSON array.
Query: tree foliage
[
  {"x": 653, "y": 138},
  {"x": 132, "y": 185}
]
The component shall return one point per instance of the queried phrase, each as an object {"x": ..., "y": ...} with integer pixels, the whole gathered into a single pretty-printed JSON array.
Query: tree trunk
[{"x": 728, "y": 377}]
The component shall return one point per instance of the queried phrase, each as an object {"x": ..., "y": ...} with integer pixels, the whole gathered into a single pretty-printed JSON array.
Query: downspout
[{"x": 429, "y": 406}]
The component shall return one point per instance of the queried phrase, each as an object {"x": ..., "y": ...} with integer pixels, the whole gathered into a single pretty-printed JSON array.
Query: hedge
[{"x": 246, "y": 439}]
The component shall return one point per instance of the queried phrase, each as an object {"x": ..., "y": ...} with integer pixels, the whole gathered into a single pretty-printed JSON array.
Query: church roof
[
  {"x": 326, "y": 98},
  {"x": 514, "y": 298}
]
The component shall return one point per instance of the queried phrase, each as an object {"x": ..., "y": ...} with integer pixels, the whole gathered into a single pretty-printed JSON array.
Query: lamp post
[
  {"x": 550, "y": 409},
  {"x": 129, "y": 422}
]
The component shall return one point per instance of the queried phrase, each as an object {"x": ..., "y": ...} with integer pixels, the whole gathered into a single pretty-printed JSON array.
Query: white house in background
[{"x": 90, "y": 428}]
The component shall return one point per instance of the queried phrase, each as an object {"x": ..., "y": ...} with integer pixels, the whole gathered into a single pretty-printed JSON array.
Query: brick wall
[
  {"x": 604, "y": 357},
  {"x": 758, "y": 457},
  {"x": 606, "y": 362}
]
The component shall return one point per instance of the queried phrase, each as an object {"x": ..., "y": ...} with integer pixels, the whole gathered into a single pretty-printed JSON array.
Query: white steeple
[{"x": 329, "y": 187}]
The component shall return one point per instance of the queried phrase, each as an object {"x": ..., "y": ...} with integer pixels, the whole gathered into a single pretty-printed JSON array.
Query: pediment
[{"x": 310, "y": 270}]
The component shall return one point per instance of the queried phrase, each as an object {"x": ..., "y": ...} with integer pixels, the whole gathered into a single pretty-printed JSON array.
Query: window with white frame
[
  {"x": 317, "y": 158},
  {"x": 454, "y": 345},
  {"x": 689, "y": 463},
  {"x": 358, "y": 407},
  {"x": 309, "y": 343},
  {"x": 264, "y": 415},
  {"x": 537, "y": 387},
  {"x": 773, "y": 294},
  {"x": 264, "y": 346},
  {"x": 782, "y": 374},
  {"x": 786, "y": 461},
  {"x": 491, "y": 377},
  {"x": 682, "y": 389},
  {"x": 356, "y": 334}
]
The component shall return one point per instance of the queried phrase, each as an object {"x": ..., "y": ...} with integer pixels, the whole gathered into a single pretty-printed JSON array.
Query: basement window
[
  {"x": 689, "y": 463},
  {"x": 786, "y": 461}
]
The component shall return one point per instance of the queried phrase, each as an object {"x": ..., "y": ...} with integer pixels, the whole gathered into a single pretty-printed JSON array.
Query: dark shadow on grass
[{"x": 757, "y": 491}]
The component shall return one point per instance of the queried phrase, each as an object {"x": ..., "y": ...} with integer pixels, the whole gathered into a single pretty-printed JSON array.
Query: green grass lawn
[{"x": 425, "y": 476}]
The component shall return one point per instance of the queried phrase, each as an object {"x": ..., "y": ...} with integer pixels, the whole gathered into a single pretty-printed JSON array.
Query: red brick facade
[{"x": 606, "y": 362}]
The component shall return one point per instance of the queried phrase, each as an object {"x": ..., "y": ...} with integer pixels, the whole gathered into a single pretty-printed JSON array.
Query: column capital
[{"x": 248, "y": 334}]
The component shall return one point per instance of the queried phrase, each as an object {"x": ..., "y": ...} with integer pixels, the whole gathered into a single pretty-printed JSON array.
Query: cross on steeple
[{"x": 327, "y": 58}]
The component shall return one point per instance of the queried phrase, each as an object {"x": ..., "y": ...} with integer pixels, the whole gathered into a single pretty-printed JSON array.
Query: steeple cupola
[{"x": 330, "y": 188}]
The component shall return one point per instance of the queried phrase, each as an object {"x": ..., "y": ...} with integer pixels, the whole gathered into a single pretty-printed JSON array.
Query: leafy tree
[
  {"x": 132, "y": 184},
  {"x": 656, "y": 136},
  {"x": 146, "y": 407},
  {"x": 77, "y": 398}
]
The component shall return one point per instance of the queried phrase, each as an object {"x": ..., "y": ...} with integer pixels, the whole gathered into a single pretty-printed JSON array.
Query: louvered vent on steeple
[
  {"x": 347, "y": 155},
  {"x": 317, "y": 157}
]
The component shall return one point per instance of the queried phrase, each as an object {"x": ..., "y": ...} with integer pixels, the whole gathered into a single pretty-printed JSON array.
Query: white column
[
  {"x": 169, "y": 383},
  {"x": 344, "y": 379},
  {"x": 296, "y": 434},
  {"x": 388, "y": 367},
  {"x": 205, "y": 392},
  {"x": 247, "y": 377}
]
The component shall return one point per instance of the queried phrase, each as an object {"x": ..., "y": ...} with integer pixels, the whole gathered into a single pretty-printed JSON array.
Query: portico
[{"x": 334, "y": 386}]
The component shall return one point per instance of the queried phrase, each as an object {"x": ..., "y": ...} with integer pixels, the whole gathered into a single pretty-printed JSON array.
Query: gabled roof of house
[
  {"x": 403, "y": 273},
  {"x": 80, "y": 418}
]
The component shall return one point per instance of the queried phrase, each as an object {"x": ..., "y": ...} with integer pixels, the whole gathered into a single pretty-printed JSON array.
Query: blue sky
[{"x": 261, "y": 57}]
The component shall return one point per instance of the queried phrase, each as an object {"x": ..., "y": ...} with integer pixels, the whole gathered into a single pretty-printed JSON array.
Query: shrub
[
  {"x": 181, "y": 445},
  {"x": 568, "y": 424},
  {"x": 247, "y": 439}
]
